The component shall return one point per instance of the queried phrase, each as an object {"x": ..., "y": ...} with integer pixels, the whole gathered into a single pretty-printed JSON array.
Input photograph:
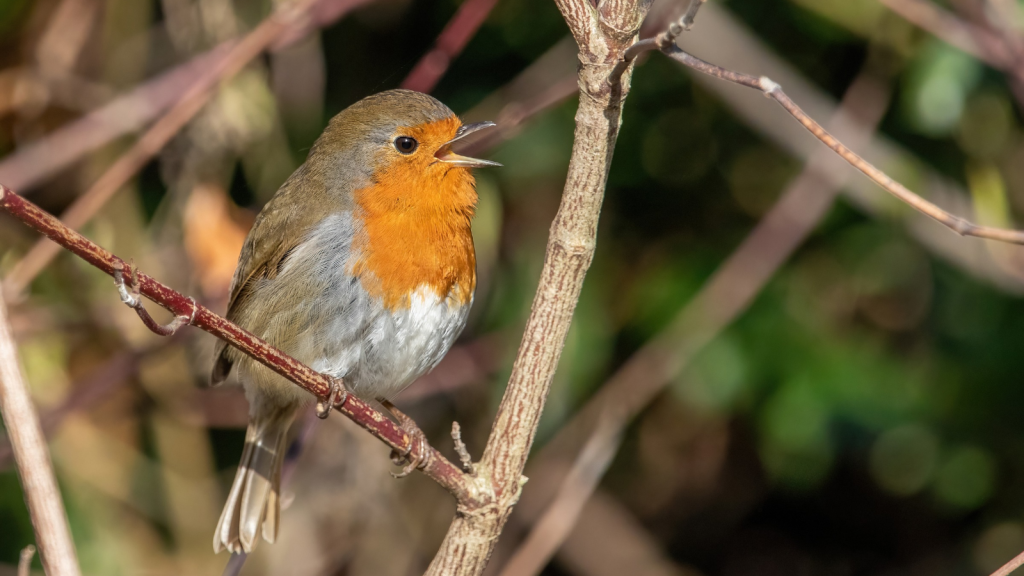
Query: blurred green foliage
[{"x": 870, "y": 375}]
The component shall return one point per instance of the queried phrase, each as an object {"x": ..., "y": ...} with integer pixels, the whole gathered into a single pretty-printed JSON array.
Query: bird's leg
[
  {"x": 335, "y": 398},
  {"x": 418, "y": 454}
]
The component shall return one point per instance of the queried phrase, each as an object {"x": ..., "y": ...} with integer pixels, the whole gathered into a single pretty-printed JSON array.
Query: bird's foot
[
  {"x": 418, "y": 454},
  {"x": 131, "y": 296},
  {"x": 335, "y": 398}
]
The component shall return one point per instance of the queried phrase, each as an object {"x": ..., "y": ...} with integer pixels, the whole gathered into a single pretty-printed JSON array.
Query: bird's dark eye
[{"x": 406, "y": 145}]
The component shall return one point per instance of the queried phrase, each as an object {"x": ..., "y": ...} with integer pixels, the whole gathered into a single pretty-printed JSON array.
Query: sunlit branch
[
  {"x": 774, "y": 91},
  {"x": 719, "y": 302},
  {"x": 1009, "y": 567},
  {"x": 436, "y": 466}
]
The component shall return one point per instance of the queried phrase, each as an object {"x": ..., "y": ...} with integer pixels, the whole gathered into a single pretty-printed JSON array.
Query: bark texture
[{"x": 603, "y": 33}]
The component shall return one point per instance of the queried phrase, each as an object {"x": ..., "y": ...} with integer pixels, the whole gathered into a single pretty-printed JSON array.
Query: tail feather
[{"x": 253, "y": 506}]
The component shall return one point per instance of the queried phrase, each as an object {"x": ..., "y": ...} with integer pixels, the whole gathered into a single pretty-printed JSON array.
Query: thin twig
[
  {"x": 50, "y": 522},
  {"x": 25, "y": 560},
  {"x": 691, "y": 14},
  {"x": 129, "y": 163},
  {"x": 1009, "y": 567},
  {"x": 772, "y": 90},
  {"x": 438, "y": 467},
  {"x": 718, "y": 27},
  {"x": 450, "y": 43},
  {"x": 460, "y": 449}
]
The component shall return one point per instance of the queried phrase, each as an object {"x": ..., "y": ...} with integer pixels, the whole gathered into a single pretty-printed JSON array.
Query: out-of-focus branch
[
  {"x": 665, "y": 42},
  {"x": 602, "y": 34},
  {"x": 437, "y": 466},
  {"x": 456, "y": 34},
  {"x": 1010, "y": 14},
  {"x": 95, "y": 387},
  {"x": 774, "y": 91},
  {"x": 737, "y": 46},
  {"x": 34, "y": 162},
  {"x": 554, "y": 527},
  {"x": 968, "y": 37},
  {"x": 996, "y": 41},
  {"x": 725, "y": 296},
  {"x": 28, "y": 165},
  {"x": 25, "y": 560},
  {"x": 1009, "y": 567},
  {"x": 50, "y": 522},
  {"x": 191, "y": 102}
]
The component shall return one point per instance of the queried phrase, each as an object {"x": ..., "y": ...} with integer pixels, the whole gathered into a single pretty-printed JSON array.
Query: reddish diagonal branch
[
  {"x": 437, "y": 466},
  {"x": 83, "y": 209},
  {"x": 460, "y": 29}
]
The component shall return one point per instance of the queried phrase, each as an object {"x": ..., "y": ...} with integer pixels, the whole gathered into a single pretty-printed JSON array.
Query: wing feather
[{"x": 277, "y": 232}]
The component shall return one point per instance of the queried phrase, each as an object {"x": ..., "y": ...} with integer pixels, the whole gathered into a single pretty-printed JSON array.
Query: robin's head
[
  {"x": 395, "y": 137},
  {"x": 389, "y": 158}
]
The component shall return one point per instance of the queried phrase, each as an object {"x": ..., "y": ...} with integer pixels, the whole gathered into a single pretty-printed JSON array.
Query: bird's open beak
[{"x": 445, "y": 153}]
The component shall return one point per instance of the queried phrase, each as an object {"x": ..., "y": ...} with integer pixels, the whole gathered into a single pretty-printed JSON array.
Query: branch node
[
  {"x": 133, "y": 300},
  {"x": 769, "y": 86},
  {"x": 963, "y": 227},
  {"x": 460, "y": 449},
  {"x": 684, "y": 24}
]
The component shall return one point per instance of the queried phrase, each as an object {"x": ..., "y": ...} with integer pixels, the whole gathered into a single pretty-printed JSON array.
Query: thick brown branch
[
  {"x": 437, "y": 467},
  {"x": 603, "y": 86}
]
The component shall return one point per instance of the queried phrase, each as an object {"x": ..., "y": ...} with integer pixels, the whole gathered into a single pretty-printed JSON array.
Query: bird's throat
[{"x": 416, "y": 233}]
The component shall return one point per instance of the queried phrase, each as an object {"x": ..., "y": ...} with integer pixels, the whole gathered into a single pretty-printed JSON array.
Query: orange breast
[{"x": 416, "y": 226}]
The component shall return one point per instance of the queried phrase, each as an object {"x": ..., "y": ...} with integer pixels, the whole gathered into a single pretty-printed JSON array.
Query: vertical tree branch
[
  {"x": 725, "y": 296},
  {"x": 56, "y": 550},
  {"x": 603, "y": 35}
]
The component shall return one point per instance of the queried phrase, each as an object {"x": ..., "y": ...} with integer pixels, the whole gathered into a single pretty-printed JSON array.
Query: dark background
[{"x": 861, "y": 418}]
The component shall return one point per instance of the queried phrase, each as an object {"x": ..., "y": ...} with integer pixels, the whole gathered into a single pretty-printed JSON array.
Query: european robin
[{"x": 362, "y": 267}]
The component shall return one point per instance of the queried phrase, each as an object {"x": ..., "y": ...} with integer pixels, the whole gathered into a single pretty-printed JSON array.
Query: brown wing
[{"x": 278, "y": 230}]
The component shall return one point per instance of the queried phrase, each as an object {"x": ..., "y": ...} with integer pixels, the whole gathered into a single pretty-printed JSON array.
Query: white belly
[
  {"x": 341, "y": 330},
  {"x": 396, "y": 347}
]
